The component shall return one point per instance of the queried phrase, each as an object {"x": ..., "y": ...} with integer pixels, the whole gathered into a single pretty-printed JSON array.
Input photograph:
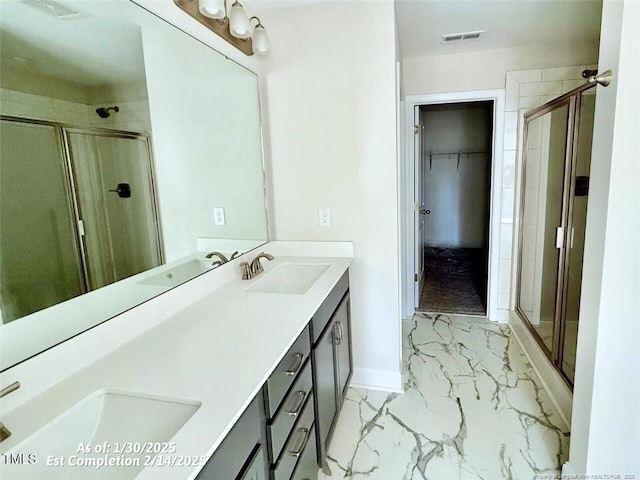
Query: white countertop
[{"x": 219, "y": 351}]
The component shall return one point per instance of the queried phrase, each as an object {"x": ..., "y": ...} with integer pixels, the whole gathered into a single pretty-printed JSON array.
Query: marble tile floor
[{"x": 472, "y": 409}]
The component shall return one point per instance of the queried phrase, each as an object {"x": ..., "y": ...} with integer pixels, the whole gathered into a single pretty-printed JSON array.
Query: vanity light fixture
[{"x": 233, "y": 24}]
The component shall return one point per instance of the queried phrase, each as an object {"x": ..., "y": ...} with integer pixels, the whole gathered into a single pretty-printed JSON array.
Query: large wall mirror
[{"x": 129, "y": 152}]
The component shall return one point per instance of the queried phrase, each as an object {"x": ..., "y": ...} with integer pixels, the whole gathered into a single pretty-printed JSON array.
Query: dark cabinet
[
  {"x": 241, "y": 454},
  {"x": 285, "y": 432},
  {"x": 290, "y": 413},
  {"x": 332, "y": 362}
]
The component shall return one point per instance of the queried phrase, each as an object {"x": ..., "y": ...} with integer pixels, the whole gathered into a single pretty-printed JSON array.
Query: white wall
[
  {"x": 455, "y": 189},
  {"x": 485, "y": 70},
  {"x": 605, "y": 428},
  {"x": 206, "y": 139},
  {"x": 332, "y": 130}
]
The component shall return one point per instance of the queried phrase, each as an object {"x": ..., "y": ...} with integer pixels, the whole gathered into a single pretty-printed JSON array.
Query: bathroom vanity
[
  {"x": 285, "y": 432},
  {"x": 255, "y": 372}
]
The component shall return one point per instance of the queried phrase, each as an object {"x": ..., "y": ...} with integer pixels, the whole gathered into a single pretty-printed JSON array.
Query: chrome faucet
[
  {"x": 4, "y": 431},
  {"x": 253, "y": 269},
  {"x": 222, "y": 259}
]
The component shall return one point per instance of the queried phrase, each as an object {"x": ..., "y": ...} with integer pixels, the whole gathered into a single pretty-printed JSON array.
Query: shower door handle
[
  {"x": 123, "y": 190},
  {"x": 424, "y": 211}
]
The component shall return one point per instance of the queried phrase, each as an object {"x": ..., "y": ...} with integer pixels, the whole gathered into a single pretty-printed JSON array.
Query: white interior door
[{"x": 418, "y": 149}]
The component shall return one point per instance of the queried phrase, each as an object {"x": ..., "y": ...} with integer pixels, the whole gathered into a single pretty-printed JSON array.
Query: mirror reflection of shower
[
  {"x": 103, "y": 112},
  {"x": 87, "y": 236}
]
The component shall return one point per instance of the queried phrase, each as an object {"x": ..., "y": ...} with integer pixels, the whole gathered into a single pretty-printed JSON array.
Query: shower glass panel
[
  {"x": 545, "y": 151},
  {"x": 575, "y": 251},
  {"x": 553, "y": 214},
  {"x": 116, "y": 203},
  {"x": 36, "y": 211}
]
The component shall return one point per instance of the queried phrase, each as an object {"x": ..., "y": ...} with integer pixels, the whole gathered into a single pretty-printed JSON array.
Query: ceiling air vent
[
  {"x": 55, "y": 9},
  {"x": 461, "y": 37}
]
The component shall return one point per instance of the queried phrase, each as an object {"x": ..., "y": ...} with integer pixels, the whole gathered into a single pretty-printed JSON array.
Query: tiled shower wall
[
  {"x": 525, "y": 89},
  {"x": 133, "y": 116}
]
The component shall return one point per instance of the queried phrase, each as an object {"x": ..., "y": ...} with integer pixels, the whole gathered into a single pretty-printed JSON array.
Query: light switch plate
[
  {"x": 324, "y": 217},
  {"x": 218, "y": 216}
]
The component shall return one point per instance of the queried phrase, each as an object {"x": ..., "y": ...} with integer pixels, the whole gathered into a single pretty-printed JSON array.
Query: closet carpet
[{"x": 455, "y": 281}]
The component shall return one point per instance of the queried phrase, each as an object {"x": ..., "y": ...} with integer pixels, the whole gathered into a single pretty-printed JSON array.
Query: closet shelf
[{"x": 457, "y": 155}]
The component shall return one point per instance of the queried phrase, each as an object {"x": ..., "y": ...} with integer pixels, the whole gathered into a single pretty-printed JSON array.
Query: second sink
[{"x": 289, "y": 278}]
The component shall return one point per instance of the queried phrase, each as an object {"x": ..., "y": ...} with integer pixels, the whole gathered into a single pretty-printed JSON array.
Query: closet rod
[{"x": 454, "y": 153}]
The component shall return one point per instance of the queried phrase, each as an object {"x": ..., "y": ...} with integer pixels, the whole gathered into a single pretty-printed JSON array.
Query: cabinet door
[
  {"x": 256, "y": 470},
  {"x": 324, "y": 387},
  {"x": 238, "y": 447},
  {"x": 343, "y": 349}
]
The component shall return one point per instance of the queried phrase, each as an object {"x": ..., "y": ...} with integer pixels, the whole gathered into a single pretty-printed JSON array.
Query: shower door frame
[
  {"x": 62, "y": 133},
  {"x": 65, "y": 134},
  {"x": 573, "y": 99}
]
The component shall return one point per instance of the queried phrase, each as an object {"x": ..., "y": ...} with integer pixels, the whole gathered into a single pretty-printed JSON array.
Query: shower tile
[
  {"x": 562, "y": 73},
  {"x": 16, "y": 108},
  {"x": 509, "y": 168},
  {"x": 511, "y": 122},
  {"x": 527, "y": 76},
  {"x": 503, "y": 301},
  {"x": 42, "y": 113},
  {"x": 504, "y": 276},
  {"x": 472, "y": 407},
  {"x": 508, "y": 197},
  {"x": 569, "y": 85},
  {"x": 510, "y": 140},
  {"x": 540, "y": 88},
  {"x": 512, "y": 93},
  {"x": 506, "y": 241},
  {"x": 528, "y": 103}
]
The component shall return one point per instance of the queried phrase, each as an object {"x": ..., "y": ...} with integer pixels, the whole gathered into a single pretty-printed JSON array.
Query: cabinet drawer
[
  {"x": 324, "y": 313},
  {"x": 307, "y": 468},
  {"x": 286, "y": 372},
  {"x": 280, "y": 426},
  {"x": 295, "y": 446}
]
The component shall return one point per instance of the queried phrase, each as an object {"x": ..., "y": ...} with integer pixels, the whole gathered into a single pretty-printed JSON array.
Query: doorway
[{"x": 453, "y": 185}]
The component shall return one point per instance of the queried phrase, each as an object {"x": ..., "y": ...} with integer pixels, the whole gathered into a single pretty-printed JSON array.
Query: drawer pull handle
[
  {"x": 296, "y": 366},
  {"x": 302, "y": 395},
  {"x": 306, "y": 432}
]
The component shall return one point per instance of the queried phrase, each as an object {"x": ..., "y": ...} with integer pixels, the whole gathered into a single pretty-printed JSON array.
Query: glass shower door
[
  {"x": 553, "y": 212},
  {"x": 543, "y": 187},
  {"x": 36, "y": 211},
  {"x": 117, "y": 206},
  {"x": 578, "y": 220}
]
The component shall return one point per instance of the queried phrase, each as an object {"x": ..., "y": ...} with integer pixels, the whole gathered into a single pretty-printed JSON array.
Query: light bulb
[
  {"x": 261, "y": 44},
  {"x": 239, "y": 24},
  {"x": 212, "y": 8}
]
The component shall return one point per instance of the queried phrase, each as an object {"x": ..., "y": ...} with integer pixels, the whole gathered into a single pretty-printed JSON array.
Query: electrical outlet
[
  {"x": 324, "y": 217},
  {"x": 218, "y": 216}
]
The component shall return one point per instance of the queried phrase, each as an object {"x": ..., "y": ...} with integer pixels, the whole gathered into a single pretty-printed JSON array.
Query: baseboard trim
[
  {"x": 376, "y": 379},
  {"x": 499, "y": 316},
  {"x": 567, "y": 469}
]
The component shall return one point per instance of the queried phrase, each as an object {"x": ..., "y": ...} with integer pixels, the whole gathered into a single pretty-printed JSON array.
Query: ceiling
[
  {"x": 87, "y": 51},
  {"x": 508, "y": 24},
  {"x": 90, "y": 51}
]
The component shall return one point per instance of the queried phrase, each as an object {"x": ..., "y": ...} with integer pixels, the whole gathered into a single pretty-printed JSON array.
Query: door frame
[{"x": 407, "y": 192}]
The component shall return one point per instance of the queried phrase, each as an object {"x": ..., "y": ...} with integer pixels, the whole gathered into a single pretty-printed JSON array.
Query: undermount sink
[
  {"x": 179, "y": 274},
  {"x": 111, "y": 418},
  {"x": 289, "y": 278}
]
